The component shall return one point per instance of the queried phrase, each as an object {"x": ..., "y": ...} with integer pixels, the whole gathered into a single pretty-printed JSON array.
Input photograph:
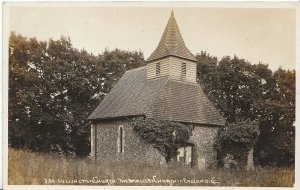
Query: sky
[{"x": 265, "y": 35}]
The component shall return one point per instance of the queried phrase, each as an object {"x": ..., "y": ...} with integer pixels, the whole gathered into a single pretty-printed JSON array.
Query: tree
[
  {"x": 241, "y": 91},
  {"x": 229, "y": 84},
  {"x": 276, "y": 145},
  {"x": 53, "y": 87}
]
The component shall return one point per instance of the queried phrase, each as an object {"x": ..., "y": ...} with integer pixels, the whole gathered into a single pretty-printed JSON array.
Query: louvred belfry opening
[
  {"x": 165, "y": 89},
  {"x": 173, "y": 57}
]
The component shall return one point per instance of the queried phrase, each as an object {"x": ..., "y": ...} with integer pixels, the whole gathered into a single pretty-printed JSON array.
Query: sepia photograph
[{"x": 150, "y": 94}]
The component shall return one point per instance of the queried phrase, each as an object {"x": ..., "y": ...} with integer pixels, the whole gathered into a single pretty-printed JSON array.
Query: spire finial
[{"x": 171, "y": 43}]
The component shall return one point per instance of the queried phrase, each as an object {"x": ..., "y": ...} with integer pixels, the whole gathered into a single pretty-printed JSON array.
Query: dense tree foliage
[
  {"x": 53, "y": 87},
  {"x": 166, "y": 136},
  {"x": 241, "y": 91}
]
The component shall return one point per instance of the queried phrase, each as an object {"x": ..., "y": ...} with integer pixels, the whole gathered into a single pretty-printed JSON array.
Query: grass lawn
[{"x": 25, "y": 168}]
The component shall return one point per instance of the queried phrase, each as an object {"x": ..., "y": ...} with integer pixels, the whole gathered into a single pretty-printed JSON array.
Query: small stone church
[{"x": 164, "y": 89}]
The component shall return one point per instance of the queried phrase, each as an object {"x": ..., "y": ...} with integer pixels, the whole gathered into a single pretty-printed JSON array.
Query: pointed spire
[
  {"x": 171, "y": 43},
  {"x": 172, "y": 13}
]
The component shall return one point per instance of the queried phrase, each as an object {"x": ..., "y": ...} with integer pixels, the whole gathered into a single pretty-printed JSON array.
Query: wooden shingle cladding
[
  {"x": 164, "y": 68},
  {"x": 184, "y": 102},
  {"x": 165, "y": 89},
  {"x": 176, "y": 69},
  {"x": 132, "y": 95},
  {"x": 173, "y": 56},
  {"x": 172, "y": 66},
  {"x": 171, "y": 43},
  {"x": 162, "y": 98}
]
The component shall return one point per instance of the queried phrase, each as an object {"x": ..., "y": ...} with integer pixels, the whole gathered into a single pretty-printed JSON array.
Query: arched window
[{"x": 120, "y": 140}]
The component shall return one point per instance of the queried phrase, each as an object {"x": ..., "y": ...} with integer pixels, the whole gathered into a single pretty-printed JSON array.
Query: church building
[{"x": 164, "y": 89}]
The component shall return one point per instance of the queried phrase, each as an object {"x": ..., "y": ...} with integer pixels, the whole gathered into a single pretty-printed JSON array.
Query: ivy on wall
[{"x": 166, "y": 136}]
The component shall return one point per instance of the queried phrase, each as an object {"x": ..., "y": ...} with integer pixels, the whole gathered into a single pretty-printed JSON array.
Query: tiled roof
[
  {"x": 185, "y": 102},
  {"x": 161, "y": 98},
  {"x": 132, "y": 95},
  {"x": 171, "y": 43}
]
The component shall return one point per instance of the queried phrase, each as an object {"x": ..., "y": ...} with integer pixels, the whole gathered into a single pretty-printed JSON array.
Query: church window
[{"x": 121, "y": 139}]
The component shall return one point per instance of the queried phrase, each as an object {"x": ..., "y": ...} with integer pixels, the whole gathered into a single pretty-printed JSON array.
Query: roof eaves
[
  {"x": 150, "y": 60},
  {"x": 114, "y": 118}
]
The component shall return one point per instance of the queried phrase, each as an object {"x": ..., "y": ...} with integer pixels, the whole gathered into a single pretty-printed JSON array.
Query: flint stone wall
[
  {"x": 203, "y": 138},
  {"x": 136, "y": 150},
  {"x": 104, "y": 145}
]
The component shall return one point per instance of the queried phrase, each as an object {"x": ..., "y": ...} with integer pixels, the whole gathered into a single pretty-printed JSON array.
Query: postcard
[{"x": 144, "y": 94}]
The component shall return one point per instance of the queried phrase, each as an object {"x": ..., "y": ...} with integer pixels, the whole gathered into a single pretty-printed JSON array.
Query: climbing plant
[
  {"x": 236, "y": 140},
  {"x": 166, "y": 136}
]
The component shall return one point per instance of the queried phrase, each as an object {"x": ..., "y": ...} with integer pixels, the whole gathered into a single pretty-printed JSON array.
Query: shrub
[{"x": 237, "y": 139}]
